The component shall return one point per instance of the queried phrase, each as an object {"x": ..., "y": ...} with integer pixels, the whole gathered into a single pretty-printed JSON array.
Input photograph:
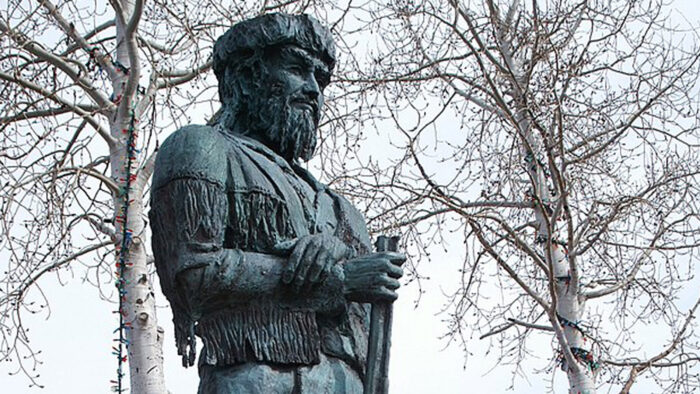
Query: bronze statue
[{"x": 270, "y": 268}]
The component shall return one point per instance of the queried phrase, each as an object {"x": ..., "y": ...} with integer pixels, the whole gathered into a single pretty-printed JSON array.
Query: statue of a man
[{"x": 270, "y": 268}]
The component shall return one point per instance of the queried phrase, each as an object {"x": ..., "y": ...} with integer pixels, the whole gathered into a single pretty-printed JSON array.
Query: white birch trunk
[
  {"x": 568, "y": 305},
  {"x": 145, "y": 353},
  {"x": 563, "y": 277},
  {"x": 145, "y": 338},
  {"x": 566, "y": 290}
]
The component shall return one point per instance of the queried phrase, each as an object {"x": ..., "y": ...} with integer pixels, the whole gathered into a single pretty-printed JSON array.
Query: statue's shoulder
[{"x": 193, "y": 151}]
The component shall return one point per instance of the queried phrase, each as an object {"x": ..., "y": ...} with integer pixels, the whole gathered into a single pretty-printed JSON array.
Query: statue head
[{"x": 272, "y": 70}]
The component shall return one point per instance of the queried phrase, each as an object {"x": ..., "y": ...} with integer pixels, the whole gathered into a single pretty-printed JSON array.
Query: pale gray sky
[{"x": 76, "y": 338}]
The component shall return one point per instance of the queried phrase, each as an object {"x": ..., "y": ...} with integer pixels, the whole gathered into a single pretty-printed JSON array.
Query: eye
[{"x": 295, "y": 68}]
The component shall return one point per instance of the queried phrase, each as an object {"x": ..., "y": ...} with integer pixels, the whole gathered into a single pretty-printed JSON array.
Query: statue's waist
[
  {"x": 282, "y": 336},
  {"x": 270, "y": 334}
]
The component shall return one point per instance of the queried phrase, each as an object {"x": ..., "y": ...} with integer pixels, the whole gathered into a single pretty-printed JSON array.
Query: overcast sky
[{"x": 76, "y": 339}]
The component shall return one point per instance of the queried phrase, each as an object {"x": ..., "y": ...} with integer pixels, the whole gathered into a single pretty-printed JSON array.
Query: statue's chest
[{"x": 269, "y": 203}]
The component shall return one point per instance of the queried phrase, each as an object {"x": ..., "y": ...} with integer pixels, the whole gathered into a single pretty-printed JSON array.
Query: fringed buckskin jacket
[{"x": 220, "y": 206}]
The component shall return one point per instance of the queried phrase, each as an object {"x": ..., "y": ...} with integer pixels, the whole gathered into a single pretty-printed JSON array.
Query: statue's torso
[{"x": 269, "y": 201}]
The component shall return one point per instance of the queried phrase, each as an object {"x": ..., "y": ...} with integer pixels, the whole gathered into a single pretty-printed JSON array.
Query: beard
[
  {"x": 292, "y": 131},
  {"x": 288, "y": 130}
]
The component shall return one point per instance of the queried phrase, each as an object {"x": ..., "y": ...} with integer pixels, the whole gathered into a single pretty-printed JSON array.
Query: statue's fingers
[
  {"x": 307, "y": 261},
  {"x": 284, "y": 248},
  {"x": 385, "y": 295},
  {"x": 395, "y": 257},
  {"x": 376, "y": 268},
  {"x": 394, "y": 271},
  {"x": 294, "y": 261},
  {"x": 317, "y": 270},
  {"x": 330, "y": 263},
  {"x": 375, "y": 275},
  {"x": 391, "y": 283},
  {"x": 341, "y": 251}
]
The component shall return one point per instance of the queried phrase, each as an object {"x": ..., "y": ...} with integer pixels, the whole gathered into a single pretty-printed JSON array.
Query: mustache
[
  {"x": 303, "y": 100},
  {"x": 288, "y": 125}
]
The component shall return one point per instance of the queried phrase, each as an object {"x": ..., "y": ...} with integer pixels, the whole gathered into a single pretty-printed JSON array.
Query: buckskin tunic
[{"x": 223, "y": 206}]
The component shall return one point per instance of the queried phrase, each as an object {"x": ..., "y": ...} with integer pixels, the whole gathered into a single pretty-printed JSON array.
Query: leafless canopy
[
  {"x": 559, "y": 140},
  {"x": 72, "y": 76}
]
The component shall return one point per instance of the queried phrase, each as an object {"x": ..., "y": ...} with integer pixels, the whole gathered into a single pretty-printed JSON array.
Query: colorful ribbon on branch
[
  {"x": 585, "y": 357},
  {"x": 93, "y": 62}
]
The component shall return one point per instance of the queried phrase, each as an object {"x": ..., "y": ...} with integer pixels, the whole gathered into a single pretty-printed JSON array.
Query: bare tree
[
  {"x": 560, "y": 139},
  {"x": 87, "y": 89}
]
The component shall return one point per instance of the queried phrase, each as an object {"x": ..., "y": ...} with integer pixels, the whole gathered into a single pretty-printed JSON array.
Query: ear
[
  {"x": 253, "y": 77},
  {"x": 242, "y": 79}
]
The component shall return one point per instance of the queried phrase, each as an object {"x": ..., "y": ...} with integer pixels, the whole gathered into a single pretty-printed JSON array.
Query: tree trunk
[
  {"x": 565, "y": 291},
  {"x": 145, "y": 352},
  {"x": 144, "y": 338},
  {"x": 570, "y": 310}
]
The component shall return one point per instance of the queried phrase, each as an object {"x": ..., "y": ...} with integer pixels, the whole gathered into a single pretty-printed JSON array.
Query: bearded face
[
  {"x": 287, "y": 127},
  {"x": 279, "y": 102}
]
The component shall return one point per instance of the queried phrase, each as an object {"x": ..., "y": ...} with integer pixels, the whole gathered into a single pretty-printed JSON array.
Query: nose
[{"x": 311, "y": 88}]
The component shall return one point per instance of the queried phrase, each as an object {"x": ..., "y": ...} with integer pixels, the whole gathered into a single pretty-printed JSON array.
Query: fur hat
[{"x": 248, "y": 37}]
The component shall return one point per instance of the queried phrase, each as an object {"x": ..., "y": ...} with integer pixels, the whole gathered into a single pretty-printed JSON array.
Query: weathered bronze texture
[{"x": 269, "y": 267}]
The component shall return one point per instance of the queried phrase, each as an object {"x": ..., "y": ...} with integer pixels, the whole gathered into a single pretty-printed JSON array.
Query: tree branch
[
  {"x": 503, "y": 264},
  {"x": 54, "y": 97},
  {"x": 530, "y": 325},
  {"x": 35, "y": 49},
  {"x": 26, "y": 115},
  {"x": 177, "y": 77},
  {"x": 19, "y": 292},
  {"x": 640, "y": 367},
  {"x": 80, "y": 40}
]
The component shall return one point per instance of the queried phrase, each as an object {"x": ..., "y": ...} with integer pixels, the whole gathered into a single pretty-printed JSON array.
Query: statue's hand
[
  {"x": 312, "y": 258},
  {"x": 373, "y": 277}
]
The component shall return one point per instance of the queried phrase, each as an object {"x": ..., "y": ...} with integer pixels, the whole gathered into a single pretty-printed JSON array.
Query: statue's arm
[
  {"x": 190, "y": 211},
  {"x": 205, "y": 275}
]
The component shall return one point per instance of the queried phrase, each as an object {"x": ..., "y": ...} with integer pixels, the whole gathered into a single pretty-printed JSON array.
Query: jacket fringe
[
  {"x": 260, "y": 334},
  {"x": 198, "y": 213},
  {"x": 257, "y": 221}
]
